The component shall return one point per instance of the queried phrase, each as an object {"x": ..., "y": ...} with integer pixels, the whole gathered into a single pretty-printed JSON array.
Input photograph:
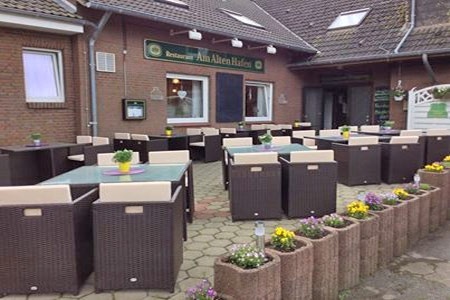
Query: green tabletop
[
  {"x": 282, "y": 149},
  {"x": 92, "y": 175}
]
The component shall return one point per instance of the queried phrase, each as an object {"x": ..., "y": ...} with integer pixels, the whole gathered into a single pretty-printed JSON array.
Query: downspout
[
  {"x": 411, "y": 26},
  {"x": 429, "y": 69},
  {"x": 94, "y": 123}
]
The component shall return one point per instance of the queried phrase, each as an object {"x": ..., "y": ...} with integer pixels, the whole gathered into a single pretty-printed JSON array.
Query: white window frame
[
  {"x": 58, "y": 71},
  {"x": 205, "y": 91},
  {"x": 269, "y": 90},
  {"x": 243, "y": 19},
  {"x": 334, "y": 24}
]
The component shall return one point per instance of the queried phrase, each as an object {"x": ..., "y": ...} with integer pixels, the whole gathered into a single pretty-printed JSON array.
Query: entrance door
[
  {"x": 312, "y": 106},
  {"x": 360, "y": 105}
]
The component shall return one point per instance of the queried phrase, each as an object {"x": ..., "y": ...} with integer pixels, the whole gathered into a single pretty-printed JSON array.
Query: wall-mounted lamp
[
  {"x": 192, "y": 34},
  {"x": 236, "y": 43},
  {"x": 270, "y": 49}
]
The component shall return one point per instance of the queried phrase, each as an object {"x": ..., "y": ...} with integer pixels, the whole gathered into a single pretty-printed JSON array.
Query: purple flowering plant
[
  {"x": 334, "y": 220},
  {"x": 373, "y": 201},
  {"x": 312, "y": 228},
  {"x": 412, "y": 188},
  {"x": 246, "y": 256},
  {"x": 389, "y": 198},
  {"x": 202, "y": 291}
]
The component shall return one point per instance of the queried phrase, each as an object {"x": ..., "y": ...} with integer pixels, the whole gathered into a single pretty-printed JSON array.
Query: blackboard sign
[
  {"x": 381, "y": 108},
  {"x": 134, "y": 109}
]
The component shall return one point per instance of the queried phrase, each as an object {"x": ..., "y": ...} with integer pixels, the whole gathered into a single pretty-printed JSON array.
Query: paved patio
[{"x": 422, "y": 273}]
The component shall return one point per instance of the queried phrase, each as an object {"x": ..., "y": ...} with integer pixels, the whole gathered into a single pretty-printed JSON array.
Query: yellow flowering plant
[
  {"x": 283, "y": 240},
  {"x": 434, "y": 167},
  {"x": 401, "y": 194},
  {"x": 447, "y": 158},
  {"x": 358, "y": 210}
]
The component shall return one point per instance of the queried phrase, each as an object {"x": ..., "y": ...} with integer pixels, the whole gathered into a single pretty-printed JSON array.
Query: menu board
[{"x": 381, "y": 107}]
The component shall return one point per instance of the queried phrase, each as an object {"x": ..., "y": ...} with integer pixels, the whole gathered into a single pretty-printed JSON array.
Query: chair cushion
[
  {"x": 273, "y": 127},
  {"x": 370, "y": 128},
  {"x": 98, "y": 140},
  {"x": 228, "y": 130},
  {"x": 257, "y": 127},
  {"x": 438, "y": 132},
  {"x": 366, "y": 140},
  {"x": 35, "y": 194},
  {"x": 168, "y": 157},
  {"x": 233, "y": 142},
  {"x": 197, "y": 144},
  {"x": 84, "y": 139},
  {"x": 305, "y": 123},
  {"x": 136, "y": 191},
  {"x": 122, "y": 136},
  {"x": 285, "y": 126},
  {"x": 78, "y": 157},
  {"x": 140, "y": 137},
  {"x": 193, "y": 131},
  {"x": 211, "y": 131},
  {"x": 106, "y": 159},
  {"x": 302, "y": 133},
  {"x": 312, "y": 156},
  {"x": 281, "y": 140},
  {"x": 410, "y": 132},
  {"x": 329, "y": 132},
  {"x": 255, "y": 158},
  {"x": 404, "y": 139}
]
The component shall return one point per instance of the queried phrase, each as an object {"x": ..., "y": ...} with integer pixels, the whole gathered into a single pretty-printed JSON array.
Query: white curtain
[
  {"x": 262, "y": 101},
  {"x": 40, "y": 75},
  {"x": 197, "y": 101}
]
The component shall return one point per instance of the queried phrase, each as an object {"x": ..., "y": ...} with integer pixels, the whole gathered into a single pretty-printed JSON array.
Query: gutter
[
  {"x": 94, "y": 120},
  {"x": 411, "y": 27}
]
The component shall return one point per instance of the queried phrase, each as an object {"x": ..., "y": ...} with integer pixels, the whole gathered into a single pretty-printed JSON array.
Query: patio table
[
  {"x": 324, "y": 142},
  {"x": 389, "y": 132}
]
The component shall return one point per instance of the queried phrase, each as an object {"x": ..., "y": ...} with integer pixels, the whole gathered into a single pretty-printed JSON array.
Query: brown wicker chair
[
  {"x": 309, "y": 183},
  {"x": 400, "y": 159},
  {"x": 359, "y": 162},
  {"x": 86, "y": 154},
  {"x": 5, "y": 170},
  {"x": 231, "y": 142},
  {"x": 255, "y": 186},
  {"x": 138, "y": 236},
  {"x": 46, "y": 239},
  {"x": 141, "y": 143},
  {"x": 209, "y": 149},
  {"x": 437, "y": 145},
  {"x": 121, "y": 141}
]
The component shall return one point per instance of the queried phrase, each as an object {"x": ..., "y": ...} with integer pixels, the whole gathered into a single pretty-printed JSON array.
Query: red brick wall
[{"x": 17, "y": 121}]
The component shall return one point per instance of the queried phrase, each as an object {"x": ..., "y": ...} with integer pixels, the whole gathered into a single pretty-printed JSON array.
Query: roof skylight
[
  {"x": 241, "y": 18},
  {"x": 349, "y": 18},
  {"x": 178, "y": 3}
]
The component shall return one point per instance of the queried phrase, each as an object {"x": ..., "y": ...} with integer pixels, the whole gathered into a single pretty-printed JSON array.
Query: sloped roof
[
  {"x": 205, "y": 15},
  {"x": 428, "y": 38},
  {"x": 377, "y": 35},
  {"x": 44, "y": 7}
]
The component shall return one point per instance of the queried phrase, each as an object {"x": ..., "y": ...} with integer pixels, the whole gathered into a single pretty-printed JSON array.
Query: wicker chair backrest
[
  {"x": 193, "y": 131},
  {"x": 438, "y": 132},
  {"x": 366, "y": 140},
  {"x": 257, "y": 127},
  {"x": 281, "y": 140},
  {"x": 370, "y": 128},
  {"x": 285, "y": 126},
  {"x": 228, "y": 130},
  {"x": 404, "y": 139},
  {"x": 233, "y": 142},
  {"x": 136, "y": 191},
  {"x": 122, "y": 136},
  {"x": 410, "y": 132},
  {"x": 255, "y": 158},
  {"x": 302, "y": 133},
  {"x": 140, "y": 137},
  {"x": 98, "y": 140},
  {"x": 329, "y": 132},
  {"x": 106, "y": 159},
  {"x": 312, "y": 156},
  {"x": 35, "y": 194},
  {"x": 84, "y": 139},
  {"x": 168, "y": 157}
]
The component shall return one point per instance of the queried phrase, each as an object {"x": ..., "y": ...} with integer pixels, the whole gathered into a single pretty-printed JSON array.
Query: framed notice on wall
[{"x": 134, "y": 109}]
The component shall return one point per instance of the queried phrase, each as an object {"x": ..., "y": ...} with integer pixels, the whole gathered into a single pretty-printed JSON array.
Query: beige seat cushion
[
  {"x": 285, "y": 126},
  {"x": 404, "y": 139},
  {"x": 228, "y": 130},
  {"x": 311, "y": 147},
  {"x": 366, "y": 140},
  {"x": 370, "y": 128},
  {"x": 281, "y": 140},
  {"x": 312, "y": 156},
  {"x": 255, "y": 158},
  {"x": 140, "y": 137},
  {"x": 84, "y": 139},
  {"x": 35, "y": 194},
  {"x": 301, "y": 133},
  {"x": 106, "y": 159},
  {"x": 352, "y": 128},
  {"x": 305, "y": 123},
  {"x": 136, "y": 191},
  {"x": 236, "y": 142},
  {"x": 410, "y": 132},
  {"x": 168, "y": 157},
  {"x": 77, "y": 157},
  {"x": 193, "y": 131},
  {"x": 257, "y": 127},
  {"x": 309, "y": 142},
  {"x": 122, "y": 136},
  {"x": 438, "y": 132},
  {"x": 197, "y": 144},
  {"x": 273, "y": 127},
  {"x": 98, "y": 140},
  {"x": 329, "y": 132}
]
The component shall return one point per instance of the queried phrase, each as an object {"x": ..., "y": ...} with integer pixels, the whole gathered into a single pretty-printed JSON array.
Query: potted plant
[
  {"x": 446, "y": 162},
  {"x": 168, "y": 130},
  {"x": 296, "y": 123},
  {"x": 437, "y": 176},
  {"x": 123, "y": 157},
  {"x": 399, "y": 93},
  {"x": 386, "y": 227},
  {"x": 296, "y": 255},
  {"x": 345, "y": 130},
  {"x": 248, "y": 273},
  {"x": 349, "y": 237},
  {"x": 441, "y": 93},
  {"x": 429, "y": 220},
  {"x": 204, "y": 291},
  {"x": 266, "y": 139},
  {"x": 241, "y": 125},
  {"x": 326, "y": 259},
  {"x": 36, "y": 138},
  {"x": 387, "y": 125},
  {"x": 369, "y": 224}
]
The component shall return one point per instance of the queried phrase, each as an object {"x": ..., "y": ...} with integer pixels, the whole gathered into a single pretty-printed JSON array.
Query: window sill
[{"x": 47, "y": 105}]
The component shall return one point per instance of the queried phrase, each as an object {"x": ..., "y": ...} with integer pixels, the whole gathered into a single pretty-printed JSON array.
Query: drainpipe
[
  {"x": 429, "y": 69},
  {"x": 411, "y": 27},
  {"x": 93, "y": 123}
]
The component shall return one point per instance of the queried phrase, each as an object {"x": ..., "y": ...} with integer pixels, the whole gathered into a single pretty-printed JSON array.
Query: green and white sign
[{"x": 201, "y": 56}]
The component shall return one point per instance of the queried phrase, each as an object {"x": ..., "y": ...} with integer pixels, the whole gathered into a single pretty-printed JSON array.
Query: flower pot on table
[
  {"x": 125, "y": 167},
  {"x": 349, "y": 238},
  {"x": 400, "y": 227},
  {"x": 243, "y": 284},
  {"x": 442, "y": 181},
  {"x": 385, "y": 236}
]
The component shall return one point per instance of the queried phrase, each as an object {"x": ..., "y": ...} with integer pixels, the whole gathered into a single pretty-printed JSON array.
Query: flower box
[
  {"x": 243, "y": 284},
  {"x": 442, "y": 181},
  {"x": 413, "y": 219},
  {"x": 435, "y": 208},
  {"x": 400, "y": 227},
  {"x": 369, "y": 233},
  {"x": 349, "y": 238},
  {"x": 386, "y": 235},
  {"x": 296, "y": 270},
  {"x": 424, "y": 212}
]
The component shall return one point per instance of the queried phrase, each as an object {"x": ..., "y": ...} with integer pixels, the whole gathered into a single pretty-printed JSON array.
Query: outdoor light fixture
[
  {"x": 260, "y": 232},
  {"x": 193, "y": 34},
  {"x": 236, "y": 43},
  {"x": 270, "y": 49}
]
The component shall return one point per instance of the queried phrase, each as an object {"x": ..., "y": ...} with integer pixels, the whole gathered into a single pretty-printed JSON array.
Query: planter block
[
  {"x": 413, "y": 220},
  {"x": 385, "y": 236},
  {"x": 349, "y": 239},
  {"x": 297, "y": 271},
  {"x": 400, "y": 228},
  {"x": 424, "y": 214},
  {"x": 435, "y": 208},
  {"x": 240, "y": 284},
  {"x": 442, "y": 181}
]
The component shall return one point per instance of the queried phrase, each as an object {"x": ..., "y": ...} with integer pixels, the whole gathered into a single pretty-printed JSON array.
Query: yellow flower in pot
[
  {"x": 168, "y": 130},
  {"x": 297, "y": 123},
  {"x": 345, "y": 130},
  {"x": 123, "y": 157}
]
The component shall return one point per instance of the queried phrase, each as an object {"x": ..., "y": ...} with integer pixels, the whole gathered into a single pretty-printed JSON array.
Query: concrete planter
[
  {"x": 296, "y": 270},
  {"x": 349, "y": 239},
  {"x": 413, "y": 219},
  {"x": 424, "y": 213},
  {"x": 385, "y": 236},
  {"x": 244, "y": 284},
  {"x": 326, "y": 264},
  {"x": 442, "y": 181},
  {"x": 400, "y": 227},
  {"x": 369, "y": 233},
  {"x": 435, "y": 208}
]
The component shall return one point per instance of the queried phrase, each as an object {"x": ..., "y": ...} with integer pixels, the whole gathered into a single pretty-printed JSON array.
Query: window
[
  {"x": 241, "y": 18},
  {"x": 187, "y": 99},
  {"x": 178, "y": 3},
  {"x": 258, "y": 101},
  {"x": 349, "y": 18},
  {"x": 106, "y": 62},
  {"x": 43, "y": 75}
]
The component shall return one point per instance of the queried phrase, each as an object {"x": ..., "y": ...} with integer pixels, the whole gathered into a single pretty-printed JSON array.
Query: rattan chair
[
  {"x": 141, "y": 143},
  {"x": 138, "y": 236},
  {"x": 121, "y": 141},
  {"x": 400, "y": 159},
  {"x": 5, "y": 170},
  {"x": 329, "y": 132},
  {"x": 275, "y": 130},
  {"x": 309, "y": 183},
  {"x": 298, "y": 137},
  {"x": 46, "y": 239},
  {"x": 370, "y": 128},
  {"x": 84, "y": 139},
  {"x": 87, "y": 154},
  {"x": 232, "y": 142},
  {"x": 437, "y": 144},
  {"x": 359, "y": 162},
  {"x": 281, "y": 140},
  {"x": 209, "y": 149},
  {"x": 255, "y": 186},
  {"x": 422, "y": 142}
]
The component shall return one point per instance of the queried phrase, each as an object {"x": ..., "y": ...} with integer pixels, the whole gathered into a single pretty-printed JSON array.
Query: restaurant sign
[{"x": 200, "y": 56}]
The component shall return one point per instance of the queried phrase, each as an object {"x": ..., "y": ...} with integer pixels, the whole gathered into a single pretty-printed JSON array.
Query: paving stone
[
  {"x": 187, "y": 283},
  {"x": 215, "y": 251},
  {"x": 242, "y": 240},
  {"x": 187, "y": 263},
  {"x": 190, "y": 254},
  {"x": 44, "y": 297},
  {"x": 418, "y": 268},
  {"x": 203, "y": 238},
  {"x": 86, "y": 289},
  {"x": 14, "y": 297},
  {"x": 101, "y": 296},
  {"x": 196, "y": 246},
  {"x": 220, "y": 243},
  {"x": 200, "y": 272},
  {"x": 206, "y": 261},
  {"x": 229, "y": 228},
  {"x": 155, "y": 294},
  {"x": 224, "y": 235},
  {"x": 130, "y": 295}
]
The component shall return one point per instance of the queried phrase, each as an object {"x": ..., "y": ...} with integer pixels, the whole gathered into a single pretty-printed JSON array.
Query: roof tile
[{"x": 48, "y": 7}]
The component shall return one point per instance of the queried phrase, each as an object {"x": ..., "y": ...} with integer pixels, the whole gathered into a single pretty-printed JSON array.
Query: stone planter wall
[
  {"x": 385, "y": 236},
  {"x": 400, "y": 228},
  {"x": 435, "y": 208},
  {"x": 240, "y": 284},
  {"x": 296, "y": 271},
  {"x": 369, "y": 232},
  {"x": 424, "y": 214},
  {"x": 326, "y": 264},
  {"x": 442, "y": 181},
  {"x": 413, "y": 219},
  {"x": 349, "y": 239}
]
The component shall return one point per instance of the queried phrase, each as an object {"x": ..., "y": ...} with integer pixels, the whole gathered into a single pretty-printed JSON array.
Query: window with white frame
[
  {"x": 349, "y": 18},
  {"x": 258, "y": 101},
  {"x": 43, "y": 74},
  {"x": 241, "y": 18},
  {"x": 187, "y": 99}
]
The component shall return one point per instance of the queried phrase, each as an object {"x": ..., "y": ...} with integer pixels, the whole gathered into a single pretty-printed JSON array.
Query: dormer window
[
  {"x": 241, "y": 18},
  {"x": 178, "y": 3},
  {"x": 349, "y": 18}
]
